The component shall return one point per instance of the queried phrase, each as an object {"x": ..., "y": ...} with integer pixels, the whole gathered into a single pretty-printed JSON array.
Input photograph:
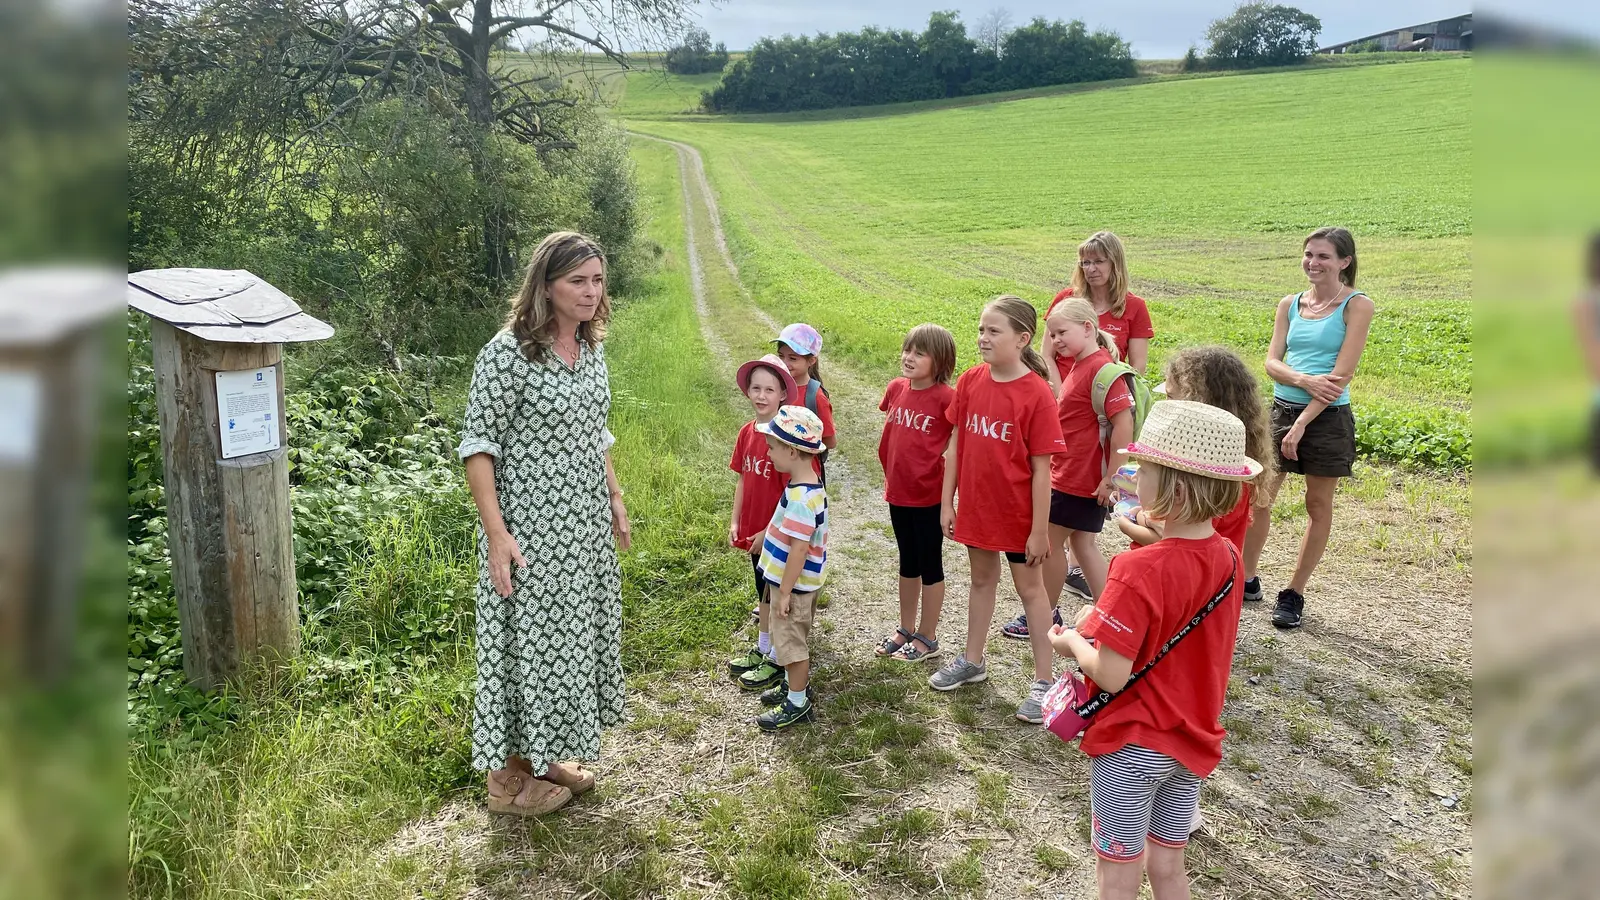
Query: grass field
[{"x": 866, "y": 226}]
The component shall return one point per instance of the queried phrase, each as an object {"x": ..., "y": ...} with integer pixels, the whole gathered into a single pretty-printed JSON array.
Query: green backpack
[{"x": 1103, "y": 380}]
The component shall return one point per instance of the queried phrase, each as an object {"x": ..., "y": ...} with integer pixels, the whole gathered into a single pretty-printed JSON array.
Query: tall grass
[{"x": 294, "y": 790}]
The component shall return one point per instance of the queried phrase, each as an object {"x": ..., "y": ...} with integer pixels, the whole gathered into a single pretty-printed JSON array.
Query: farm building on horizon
[{"x": 1454, "y": 33}]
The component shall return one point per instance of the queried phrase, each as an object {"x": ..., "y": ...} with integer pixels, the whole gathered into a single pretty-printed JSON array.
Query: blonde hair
[
  {"x": 1078, "y": 311},
  {"x": 1216, "y": 376},
  {"x": 1108, "y": 245},
  {"x": 940, "y": 346},
  {"x": 1023, "y": 319},
  {"x": 532, "y": 319},
  {"x": 1183, "y": 498}
]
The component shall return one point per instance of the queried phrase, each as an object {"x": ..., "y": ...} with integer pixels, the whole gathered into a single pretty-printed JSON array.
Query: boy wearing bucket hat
[
  {"x": 766, "y": 383},
  {"x": 794, "y": 554},
  {"x": 1162, "y": 735}
]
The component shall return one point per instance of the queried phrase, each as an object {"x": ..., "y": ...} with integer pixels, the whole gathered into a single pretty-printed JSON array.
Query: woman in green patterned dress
[{"x": 551, "y": 521}]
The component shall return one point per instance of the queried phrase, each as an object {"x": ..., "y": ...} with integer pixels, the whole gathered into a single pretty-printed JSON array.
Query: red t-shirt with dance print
[
  {"x": 999, "y": 426},
  {"x": 762, "y": 484},
  {"x": 915, "y": 433}
]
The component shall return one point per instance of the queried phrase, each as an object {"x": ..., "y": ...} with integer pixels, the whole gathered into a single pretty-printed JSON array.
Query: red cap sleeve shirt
[
  {"x": 1150, "y": 593},
  {"x": 911, "y": 450},
  {"x": 1080, "y": 468},
  {"x": 999, "y": 426},
  {"x": 1236, "y": 522},
  {"x": 1133, "y": 323},
  {"x": 763, "y": 485}
]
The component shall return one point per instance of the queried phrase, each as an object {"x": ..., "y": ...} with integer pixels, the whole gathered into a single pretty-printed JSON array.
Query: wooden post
[
  {"x": 228, "y": 522},
  {"x": 217, "y": 333},
  {"x": 51, "y": 347}
]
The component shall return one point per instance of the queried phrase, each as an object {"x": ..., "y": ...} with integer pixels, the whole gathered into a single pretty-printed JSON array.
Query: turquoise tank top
[{"x": 1312, "y": 348}]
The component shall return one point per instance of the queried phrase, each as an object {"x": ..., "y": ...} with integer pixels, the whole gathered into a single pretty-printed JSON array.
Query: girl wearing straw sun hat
[{"x": 1162, "y": 735}]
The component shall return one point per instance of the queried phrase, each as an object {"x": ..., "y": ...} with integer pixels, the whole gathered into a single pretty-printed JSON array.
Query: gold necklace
[{"x": 1326, "y": 306}]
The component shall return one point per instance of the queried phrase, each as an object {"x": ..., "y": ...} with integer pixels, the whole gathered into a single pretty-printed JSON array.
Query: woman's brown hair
[
  {"x": 1216, "y": 376},
  {"x": 1108, "y": 245},
  {"x": 940, "y": 346},
  {"x": 533, "y": 321},
  {"x": 1024, "y": 319},
  {"x": 1344, "y": 246}
]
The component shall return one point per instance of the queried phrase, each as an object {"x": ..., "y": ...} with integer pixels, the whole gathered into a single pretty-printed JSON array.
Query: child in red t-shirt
[
  {"x": 1217, "y": 377},
  {"x": 916, "y": 432},
  {"x": 1101, "y": 277},
  {"x": 768, "y": 385},
  {"x": 1080, "y": 478},
  {"x": 998, "y": 463},
  {"x": 1152, "y": 745}
]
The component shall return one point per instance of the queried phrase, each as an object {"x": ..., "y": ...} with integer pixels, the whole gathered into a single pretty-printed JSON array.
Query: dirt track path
[{"x": 1345, "y": 738}]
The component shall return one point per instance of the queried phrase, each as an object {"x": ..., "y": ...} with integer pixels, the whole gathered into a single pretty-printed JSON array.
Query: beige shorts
[{"x": 791, "y": 634}]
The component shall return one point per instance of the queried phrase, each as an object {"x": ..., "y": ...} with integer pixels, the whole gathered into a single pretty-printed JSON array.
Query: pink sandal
[{"x": 517, "y": 793}]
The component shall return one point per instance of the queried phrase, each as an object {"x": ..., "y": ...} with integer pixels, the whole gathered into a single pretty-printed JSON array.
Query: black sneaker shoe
[
  {"x": 785, "y": 714},
  {"x": 1252, "y": 590},
  {"x": 1079, "y": 585},
  {"x": 1287, "y": 612},
  {"x": 761, "y": 677},
  {"x": 775, "y": 695}
]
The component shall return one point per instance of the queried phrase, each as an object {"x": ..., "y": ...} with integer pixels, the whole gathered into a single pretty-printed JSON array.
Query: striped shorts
[{"x": 1140, "y": 793}]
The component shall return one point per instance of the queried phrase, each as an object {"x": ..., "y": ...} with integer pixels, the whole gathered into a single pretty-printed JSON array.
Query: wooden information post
[
  {"x": 216, "y": 339},
  {"x": 53, "y": 342}
]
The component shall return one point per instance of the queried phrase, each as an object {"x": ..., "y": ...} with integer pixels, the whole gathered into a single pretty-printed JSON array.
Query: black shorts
[
  {"x": 917, "y": 532},
  {"x": 1327, "y": 449},
  {"x": 1016, "y": 559},
  {"x": 1077, "y": 513}
]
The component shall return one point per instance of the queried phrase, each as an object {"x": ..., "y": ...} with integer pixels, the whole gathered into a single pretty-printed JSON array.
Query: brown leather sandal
[
  {"x": 580, "y": 785},
  {"x": 519, "y": 794}
]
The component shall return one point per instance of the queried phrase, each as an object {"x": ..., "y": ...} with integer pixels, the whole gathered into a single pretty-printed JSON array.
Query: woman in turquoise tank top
[{"x": 1317, "y": 341}]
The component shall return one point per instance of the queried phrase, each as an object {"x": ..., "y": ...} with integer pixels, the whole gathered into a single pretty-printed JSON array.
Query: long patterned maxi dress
[{"x": 550, "y": 655}]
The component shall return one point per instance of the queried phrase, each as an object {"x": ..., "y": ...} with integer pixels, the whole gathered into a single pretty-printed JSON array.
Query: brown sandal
[
  {"x": 518, "y": 794},
  {"x": 582, "y": 784}
]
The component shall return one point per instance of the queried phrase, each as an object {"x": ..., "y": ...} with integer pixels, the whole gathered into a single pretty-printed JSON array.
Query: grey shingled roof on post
[
  {"x": 228, "y": 305},
  {"x": 42, "y": 305}
]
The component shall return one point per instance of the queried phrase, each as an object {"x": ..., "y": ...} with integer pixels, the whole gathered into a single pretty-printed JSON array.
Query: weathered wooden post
[
  {"x": 216, "y": 339},
  {"x": 51, "y": 346}
]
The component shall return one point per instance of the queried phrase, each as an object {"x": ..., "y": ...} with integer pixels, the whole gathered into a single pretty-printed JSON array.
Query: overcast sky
[{"x": 1158, "y": 29}]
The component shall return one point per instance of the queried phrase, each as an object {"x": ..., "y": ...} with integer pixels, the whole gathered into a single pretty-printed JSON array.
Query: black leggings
[
  {"x": 916, "y": 531},
  {"x": 755, "y": 563}
]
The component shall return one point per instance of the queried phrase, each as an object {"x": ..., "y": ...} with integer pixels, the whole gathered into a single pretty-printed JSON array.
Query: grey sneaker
[
  {"x": 956, "y": 673},
  {"x": 1032, "y": 709}
]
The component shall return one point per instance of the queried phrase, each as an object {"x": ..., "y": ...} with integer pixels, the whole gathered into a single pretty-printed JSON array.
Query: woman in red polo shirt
[{"x": 1101, "y": 277}]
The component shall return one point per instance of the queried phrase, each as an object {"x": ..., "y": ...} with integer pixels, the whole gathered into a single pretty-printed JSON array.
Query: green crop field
[{"x": 866, "y": 226}]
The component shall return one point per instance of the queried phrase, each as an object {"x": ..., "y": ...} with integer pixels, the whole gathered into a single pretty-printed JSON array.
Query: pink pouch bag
[{"x": 1061, "y": 704}]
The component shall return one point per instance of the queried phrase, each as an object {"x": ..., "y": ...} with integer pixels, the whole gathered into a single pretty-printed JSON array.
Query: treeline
[{"x": 895, "y": 66}]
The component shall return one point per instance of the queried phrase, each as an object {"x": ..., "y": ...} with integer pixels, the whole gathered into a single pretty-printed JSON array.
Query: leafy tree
[
  {"x": 1262, "y": 34},
  {"x": 1191, "y": 60},
  {"x": 695, "y": 55}
]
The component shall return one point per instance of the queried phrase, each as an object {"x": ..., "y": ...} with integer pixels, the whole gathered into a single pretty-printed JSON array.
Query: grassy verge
[{"x": 292, "y": 792}]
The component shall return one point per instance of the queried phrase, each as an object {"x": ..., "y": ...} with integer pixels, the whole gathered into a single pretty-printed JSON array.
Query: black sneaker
[
  {"x": 776, "y": 695},
  {"x": 785, "y": 714},
  {"x": 1078, "y": 584},
  {"x": 1252, "y": 590},
  {"x": 1287, "y": 612}
]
